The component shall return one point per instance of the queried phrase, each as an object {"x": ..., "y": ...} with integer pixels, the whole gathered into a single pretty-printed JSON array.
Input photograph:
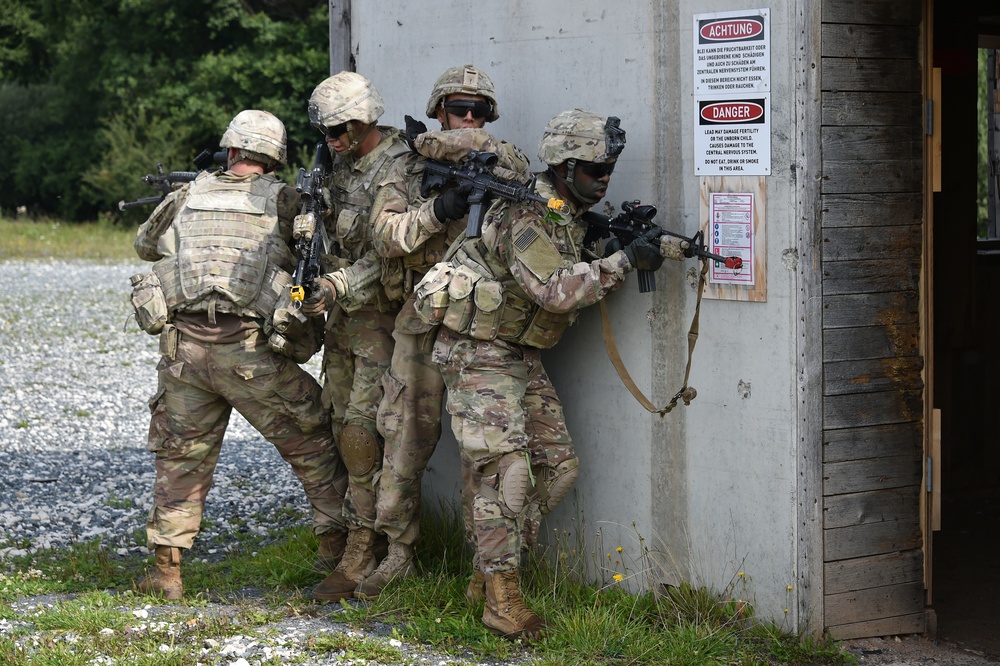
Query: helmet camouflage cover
[
  {"x": 465, "y": 80},
  {"x": 342, "y": 97},
  {"x": 581, "y": 135},
  {"x": 258, "y": 135}
]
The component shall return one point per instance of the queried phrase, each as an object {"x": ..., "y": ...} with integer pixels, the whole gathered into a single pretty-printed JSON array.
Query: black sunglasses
[
  {"x": 595, "y": 170},
  {"x": 332, "y": 132},
  {"x": 460, "y": 107}
]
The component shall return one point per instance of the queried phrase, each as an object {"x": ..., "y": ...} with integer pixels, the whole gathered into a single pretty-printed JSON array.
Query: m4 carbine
[
  {"x": 309, "y": 242},
  {"x": 167, "y": 182},
  {"x": 475, "y": 171},
  {"x": 636, "y": 220}
]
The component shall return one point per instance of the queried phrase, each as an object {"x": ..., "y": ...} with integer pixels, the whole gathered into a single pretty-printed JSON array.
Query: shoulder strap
[{"x": 685, "y": 393}]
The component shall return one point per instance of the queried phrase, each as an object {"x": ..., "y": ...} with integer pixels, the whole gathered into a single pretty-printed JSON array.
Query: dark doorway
[{"x": 966, "y": 299}]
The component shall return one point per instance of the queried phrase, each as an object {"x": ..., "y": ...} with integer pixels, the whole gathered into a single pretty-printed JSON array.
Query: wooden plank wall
[{"x": 871, "y": 194}]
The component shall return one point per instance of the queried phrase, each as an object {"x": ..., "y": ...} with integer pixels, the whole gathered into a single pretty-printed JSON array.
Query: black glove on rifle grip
[
  {"x": 644, "y": 253},
  {"x": 414, "y": 128},
  {"x": 453, "y": 204}
]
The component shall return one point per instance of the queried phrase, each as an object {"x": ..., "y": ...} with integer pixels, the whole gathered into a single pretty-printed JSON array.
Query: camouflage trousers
[
  {"x": 197, "y": 390},
  {"x": 356, "y": 353},
  {"x": 409, "y": 418},
  {"x": 503, "y": 406}
]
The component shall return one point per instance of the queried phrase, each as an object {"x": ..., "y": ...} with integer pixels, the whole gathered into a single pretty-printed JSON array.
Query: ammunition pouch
[
  {"x": 148, "y": 302},
  {"x": 432, "y": 294},
  {"x": 463, "y": 300}
]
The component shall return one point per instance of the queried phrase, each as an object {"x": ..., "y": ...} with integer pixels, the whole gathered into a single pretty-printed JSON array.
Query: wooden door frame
[{"x": 930, "y": 504}]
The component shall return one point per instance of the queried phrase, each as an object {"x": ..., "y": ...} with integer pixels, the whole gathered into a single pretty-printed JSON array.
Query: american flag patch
[{"x": 525, "y": 239}]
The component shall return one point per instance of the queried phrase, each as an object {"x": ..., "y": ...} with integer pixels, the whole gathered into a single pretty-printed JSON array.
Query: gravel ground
[
  {"x": 74, "y": 380},
  {"x": 75, "y": 377}
]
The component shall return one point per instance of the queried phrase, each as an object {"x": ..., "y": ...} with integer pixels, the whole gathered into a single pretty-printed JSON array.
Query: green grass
[
  {"x": 94, "y": 615},
  {"x": 47, "y": 239}
]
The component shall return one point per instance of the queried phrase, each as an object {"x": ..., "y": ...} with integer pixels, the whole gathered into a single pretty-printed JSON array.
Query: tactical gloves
[
  {"x": 644, "y": 253},
  {"x": 453, "y": 204},
  {"x": 322, "y": 298},
  {"x": 414, "y": 128}
]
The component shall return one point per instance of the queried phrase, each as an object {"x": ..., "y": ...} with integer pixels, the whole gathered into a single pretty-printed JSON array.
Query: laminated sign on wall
[{"x": 732, "y": 85}]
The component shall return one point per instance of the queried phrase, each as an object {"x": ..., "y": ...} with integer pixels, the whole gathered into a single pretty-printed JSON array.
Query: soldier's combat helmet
[
  {"x": 581, "y": 135},
  {"x": 465, "y": 80},
  {"x": 258, "y": 136},
  {"x": 342, "y": 97}
]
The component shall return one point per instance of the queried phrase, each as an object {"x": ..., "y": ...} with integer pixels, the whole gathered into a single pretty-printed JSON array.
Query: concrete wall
[{"x": 710, "y": 488}]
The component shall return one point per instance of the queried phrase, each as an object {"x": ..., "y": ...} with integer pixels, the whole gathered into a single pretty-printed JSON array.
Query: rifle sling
[{"x": 686, "y": 392}]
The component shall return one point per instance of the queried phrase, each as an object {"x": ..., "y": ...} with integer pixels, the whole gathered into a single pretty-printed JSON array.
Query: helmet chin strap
[
  {"x": 356, "y": 140},
  {"x": 571, "y": 185}
]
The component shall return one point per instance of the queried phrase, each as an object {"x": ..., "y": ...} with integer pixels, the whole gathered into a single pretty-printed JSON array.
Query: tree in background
[{"x": 94, "y": 93}]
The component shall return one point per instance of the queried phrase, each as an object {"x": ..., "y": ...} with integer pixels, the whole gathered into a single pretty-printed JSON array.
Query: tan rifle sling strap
[{"x": 686, "y": 393}]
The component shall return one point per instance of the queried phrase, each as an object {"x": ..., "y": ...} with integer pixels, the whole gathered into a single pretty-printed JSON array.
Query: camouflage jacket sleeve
[
  {"x": 148, "y": 237},
  {"x": 550, "y": 272},
  {"x": 402, "y": 219},
  {"x": 350, "y": 281}
]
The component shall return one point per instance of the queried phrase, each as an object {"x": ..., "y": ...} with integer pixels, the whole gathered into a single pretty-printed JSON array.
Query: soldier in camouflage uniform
[
  {"x": 418, "y": 230},
  {"x": 510, "y": 294},
  {"x": 358, "y": 344},
  {"x": 223, "y": 259}
]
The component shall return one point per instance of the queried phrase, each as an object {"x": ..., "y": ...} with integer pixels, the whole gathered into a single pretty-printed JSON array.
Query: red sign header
[
  {"x": 731, "y": 29},
  {"x": 732, "y": 112}
]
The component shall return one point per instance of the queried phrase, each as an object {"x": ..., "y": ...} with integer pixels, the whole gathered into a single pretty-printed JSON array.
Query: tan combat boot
[
  {"x": 397, "y": 564},
  {"x": 358, "y": 562},
  {"x": 330, "y": 551},
  {"x": 165, "y": 579},
  {"x": 504, "y": 613},
  {"x": 475, "y": 592}
]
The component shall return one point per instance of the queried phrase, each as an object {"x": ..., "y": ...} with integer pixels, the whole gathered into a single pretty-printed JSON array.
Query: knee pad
[
  {"x": 557, "y": 482},
  {"x": 514, "y": 483},
  {"x": 359, "y": 449}
]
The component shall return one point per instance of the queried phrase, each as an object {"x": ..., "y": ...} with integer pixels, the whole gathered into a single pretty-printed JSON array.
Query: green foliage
[
  {"x": 134, "y": 146},
  {"x": 103, "y": 90},
  {"x": 22, "y": 41}
]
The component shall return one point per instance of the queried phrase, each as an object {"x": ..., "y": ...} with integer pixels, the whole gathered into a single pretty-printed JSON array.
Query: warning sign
[
  {"x": 731, "y": 226},
  {"x": 732, "y": 137},
  {"x": 732, "y": 52},
  {"x": 732, "y": 82}
]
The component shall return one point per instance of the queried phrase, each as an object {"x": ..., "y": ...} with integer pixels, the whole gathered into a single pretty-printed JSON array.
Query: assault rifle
[
  {"x": 637, "y": 219},
  {"x": 165, "y": 182},
  {"x": 309, "y": 244},
  {"x": 475, "y": 171}
]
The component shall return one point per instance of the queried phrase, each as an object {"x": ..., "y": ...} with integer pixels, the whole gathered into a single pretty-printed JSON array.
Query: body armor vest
[
  {"x": 352, "y": 194},
  {"x": 230, "y": 255},
  {"x": 484, "y": 300}
]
